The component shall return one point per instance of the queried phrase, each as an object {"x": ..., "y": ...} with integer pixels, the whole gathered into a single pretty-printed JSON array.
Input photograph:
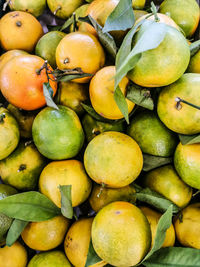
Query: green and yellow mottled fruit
[
  {"x": 152, "y": 135},
  {"x": 184, "y": 12},
  {"x": 35, "y": 7},
  {"x": 187, "y": 226},
  {"x": 5, "y": 221},
  {"x": 93, "y": 127},
  {"x": 121, "y": 234},
  {"x": 58, "y": 134},
  {"x": 194, "y": 65},
  {"x": 165, "y": 181},
  {"x": 187, "y": 164},
  {"x": 182, "y": 119},
  {"x": 113, "y": 159},
  {"x": 9, "y": 133},
  {"x": 46, "y": 46},
  {"x": 23, "y": 167},
  {"x": 138, "y": 4},
  {"x": 63, "y": 8},
  {"x": 163, "y": 65},
  {"x": 102, "y": 196},
  {"x": 49, "y": 259},
  {"x": 139, "y": 13}
]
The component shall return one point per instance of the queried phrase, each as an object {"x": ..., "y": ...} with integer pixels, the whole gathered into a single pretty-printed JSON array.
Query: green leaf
[
  {"x": 15, "y": 231},
  {"x": 152, "y": 34},
  {"x": 140, "y": 96},
  {"x": 163, "y": 224},
  {"x": 189, "y": 139},
  {"x": 105, "y": 38},
  {"x": 48, "y": 94},
  {"x": 174, "y": 257},
  {"x": 73, "y": 76},
  {"x": 66, "y": 201},
  {"x": 89, "y": 109},
  {"x": 121, "y": 103},
  {"x": 67, "y": 23},
  {"x": 194, "y": 48},
  {"x": 121, "y": 18},
  {"x": 156, "y": 200},
  {"x": 152, "y": 162},
  {"x": 29, "y": 206},
  {"x": 92, "y": 256}
]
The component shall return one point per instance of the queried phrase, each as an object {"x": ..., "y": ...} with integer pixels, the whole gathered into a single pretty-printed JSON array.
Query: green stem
[
  {"x": 154, "y": 11},
  {"x": 74, "y": 22},
  {"x": 179, "y": 101}
]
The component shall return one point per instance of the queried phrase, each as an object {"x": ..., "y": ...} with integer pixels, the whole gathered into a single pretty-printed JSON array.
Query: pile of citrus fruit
[{"x": 99, "y": 133}]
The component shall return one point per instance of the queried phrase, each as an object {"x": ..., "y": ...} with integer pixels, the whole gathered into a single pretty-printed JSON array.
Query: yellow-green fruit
[
  {"x": 187, "y": 226},
  {"x": 102, "y": 196},
  {"x": 9, "y": 133},
  {"x": 139, "y": 13},
  {"x": 35, "y": 7},
  {"x": 153, "y": 219},
  {"x": 183, "y": 118},
  {"x": 184, "y": 12},
  {"x": 187, "y": 164},
  {"x": 77, "y": 242},
  {"x": 23, "y": 167},
  {"x": 68, "y": 172},
  {"x": 71, "y": 95},
  {"x": 14, "y": 256},
  {"x": 194, "y": 65},
  {"x": 113, "y": 159},
  {"x": 121, "y": 234},
  {"x": 49, "y": 259},
  {"x": 138, "y": 4},
  {"x": 45, "y": 235},
  {"x": 165, "y": 181},
  {"x": 63, "y": 8}
]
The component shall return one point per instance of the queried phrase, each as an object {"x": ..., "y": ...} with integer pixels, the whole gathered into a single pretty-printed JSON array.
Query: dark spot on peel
[{"x": 118, "y": 212}]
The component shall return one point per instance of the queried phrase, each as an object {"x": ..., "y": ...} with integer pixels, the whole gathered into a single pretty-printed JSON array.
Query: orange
[
  {"x": 101, "y": 90},
  {"x": 34, "y": 7},
  {"x": 80, "y": 50},
  {"x": 138, "y": 4},
  {"x": 21, "y": 85},
  {"x": 19, "y": 30}
]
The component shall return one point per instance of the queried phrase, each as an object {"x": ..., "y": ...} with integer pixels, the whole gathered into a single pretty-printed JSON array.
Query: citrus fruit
[
  {"x": 68, "y": 172},
  {"x": 45, "y": 235},
  {"x": 19, "y": 30},
  {"x": 194, "y": 65},
  {"x": 187, "y": 226},
  {"x": 162, "y": 65},
  {"x": 184, "y": 12},
  {"x": 102, "y": 196},
  {"x": 71, "y": 95},
  {"x": 49, "y": 259},
  {"x": 113, "y": 159},
  {"x": 139, "y": 13},
  {"x": 80, "y": 50},
  {"x": 165, "y": 181},
  {"x": 152, "y": 135},
  {"x": 101, "y": 90},
  {"x": 58, "y": 134},
  {"x": 46, "y": 46},
  {"x": 79, "y": 12},
  {"x": 14, "y": 256},
  {"x": 182, "y": 119},
  {"x": 121, "y": 234},
  {"x": 35, "y": 7},
  {"x": 24, "y": 120},
  {"x": 7, "y": 56},
  {"x": 9, "y": 133},
  {"x": 5, "y": 221},
  {"x": 187, "y": 164},
  {"x": 22, "y": 168},
  {"x": 77, "y": 242},
  {"x": 21, "y": 82},
  {"x": 153, "y": 218},
  {"x": 138, "y": 4},
  {"x": 93, "y": 127},
  {"x": 63, "y": 8}
]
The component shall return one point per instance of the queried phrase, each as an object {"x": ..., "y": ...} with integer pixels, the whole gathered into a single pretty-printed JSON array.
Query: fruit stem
[
  {"x": 179, "y": 101},
  {"x": 75, "y": 27},
  {"x": 101, "y": 190},
  {"x": 57, "y": 9},
  {"x": 196, "y": 193},
  {"x": 2, "y": 117},
  {"x": 154, "y": 11},
  {"x": 6, "y": 4}
]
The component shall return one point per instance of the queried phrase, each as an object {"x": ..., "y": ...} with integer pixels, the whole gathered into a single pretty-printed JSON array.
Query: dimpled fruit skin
[
  {"x": 194, "y": 66},
  {"x": 163, "y": 65},
  {"x": 49, "y": 259},
  {"x": 121, "y": 234},
  {"x": 35, "y": 7},
  {"x": 187, "y": 226},
  {"x": 165, "y": 181},
  {"x": 114, "y": 159},
  {"x": 185, "y": 120},
  {"x": 152, "y": 135},
  {"x": 58, "y": 134},
  {"x": 187, "y": 164}
]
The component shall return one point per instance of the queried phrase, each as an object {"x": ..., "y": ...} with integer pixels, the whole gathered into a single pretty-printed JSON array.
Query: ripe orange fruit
[
  {"x": 19, "y": 30},
  {"x": 21, "y": 85},
  {"x": 80, "y": 50}
]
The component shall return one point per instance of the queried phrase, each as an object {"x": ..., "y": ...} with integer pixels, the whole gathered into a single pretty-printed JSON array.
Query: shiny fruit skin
[{"x": 34, "y": 7}]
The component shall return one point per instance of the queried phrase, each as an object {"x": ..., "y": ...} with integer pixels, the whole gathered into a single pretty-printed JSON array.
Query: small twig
[
  {"x": 101, "y": 190},
  {"x": 6, "y": 4},
  {"x": 179, "y": 101},
  {"x": 57, "y": 9},
  {"x": 196, "y": 193},
  {"x": 2, "y": 117}
]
